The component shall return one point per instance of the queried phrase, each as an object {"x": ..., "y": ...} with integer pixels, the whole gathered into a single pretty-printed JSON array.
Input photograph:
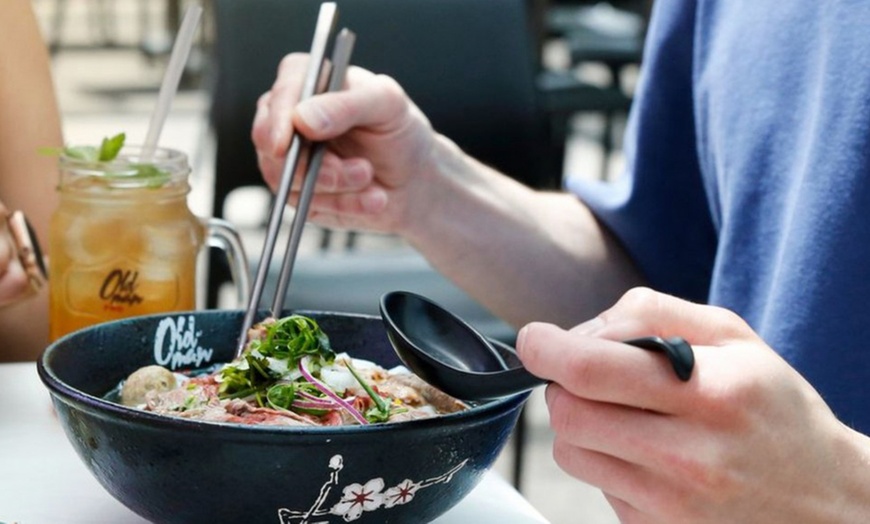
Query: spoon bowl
[{"x": 451, "y": 355}]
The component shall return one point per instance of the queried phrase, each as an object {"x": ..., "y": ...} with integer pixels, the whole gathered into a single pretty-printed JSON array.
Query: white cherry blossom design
[
  {"x": 357, "y": 498},
  {"x": 401, "y": 493}
]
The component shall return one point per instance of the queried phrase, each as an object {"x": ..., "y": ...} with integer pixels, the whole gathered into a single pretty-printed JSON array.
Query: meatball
[{"x": 143, "y": 380}]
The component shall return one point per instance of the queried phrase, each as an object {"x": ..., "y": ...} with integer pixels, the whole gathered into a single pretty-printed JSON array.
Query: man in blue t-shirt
[
  {"x": 741, "y": 206},
  {"x": 748, "y": 186}
]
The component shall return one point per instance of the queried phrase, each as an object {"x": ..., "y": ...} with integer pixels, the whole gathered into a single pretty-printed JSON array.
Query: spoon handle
[
  {"x": 498, "y": 384},
  {"x": 678, "y": 351}
]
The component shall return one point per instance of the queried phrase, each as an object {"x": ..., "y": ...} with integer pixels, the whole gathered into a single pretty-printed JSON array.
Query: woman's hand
[
  {"x": 15, "y": 283},
  {"x": 381, "y": 148},
  {"x": 747, "y": 439}
]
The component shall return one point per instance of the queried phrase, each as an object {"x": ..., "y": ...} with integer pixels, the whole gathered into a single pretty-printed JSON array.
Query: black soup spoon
[{"x": 451, "y": 355}]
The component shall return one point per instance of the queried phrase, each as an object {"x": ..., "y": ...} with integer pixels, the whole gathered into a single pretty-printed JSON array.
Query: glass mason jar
[{"x": 123, "y": 241}]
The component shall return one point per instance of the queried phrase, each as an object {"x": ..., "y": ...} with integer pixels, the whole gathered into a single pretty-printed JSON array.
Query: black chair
[
  {"x": 458, "y": 60},
  {"x": 608, "y": 33}
]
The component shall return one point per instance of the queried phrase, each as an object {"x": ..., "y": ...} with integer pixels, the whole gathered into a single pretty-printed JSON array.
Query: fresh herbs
[
  {"x": 291, "y": 338},
  {"x": 380, "y": 412},
  {"x": 281, "y": 368},
  {"x": 271, "y": 357},
  {"x": 110, "y": 147},
  {"x": 332, "y": 395},
  {"x": 301, "y": 397},
  {"x": 108, "y": 150},
  {"x": 105, "y": 158}
]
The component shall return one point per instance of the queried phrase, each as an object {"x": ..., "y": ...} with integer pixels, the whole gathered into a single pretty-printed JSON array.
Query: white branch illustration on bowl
[{"x": 359, "y": 498}]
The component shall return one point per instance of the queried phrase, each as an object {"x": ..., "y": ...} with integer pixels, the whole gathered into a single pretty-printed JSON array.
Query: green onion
[{"x": 381, "y": 412}]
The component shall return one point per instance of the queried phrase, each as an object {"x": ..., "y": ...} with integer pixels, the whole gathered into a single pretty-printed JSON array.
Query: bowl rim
[{"x": 99, "y": 406}]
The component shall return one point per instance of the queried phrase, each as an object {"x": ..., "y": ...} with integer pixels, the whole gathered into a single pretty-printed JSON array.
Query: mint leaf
[
  {"x": 84, "y": 153},
  {"x": 154, "y": 176},
  {"x": 49, "y": 151},
  {"x": 110, "y": 147},
  {"x": 108, "y": 151}
]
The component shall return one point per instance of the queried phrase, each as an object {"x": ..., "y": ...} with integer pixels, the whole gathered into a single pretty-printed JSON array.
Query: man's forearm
[{"x": 524, "y": 254}]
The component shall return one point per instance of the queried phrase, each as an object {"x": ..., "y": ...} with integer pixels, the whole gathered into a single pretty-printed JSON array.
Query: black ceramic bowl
[{"x": 177, "y": 470}]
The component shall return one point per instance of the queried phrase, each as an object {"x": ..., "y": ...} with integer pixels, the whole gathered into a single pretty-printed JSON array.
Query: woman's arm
[{"x": 29, "y": 119}]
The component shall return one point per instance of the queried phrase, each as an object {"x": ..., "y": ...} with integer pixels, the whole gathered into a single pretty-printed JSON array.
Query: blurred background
[{"x": 538, "y": 88}]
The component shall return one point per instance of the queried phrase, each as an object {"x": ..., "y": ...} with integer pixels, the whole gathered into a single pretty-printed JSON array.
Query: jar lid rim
[{"x": 164, "y": 166}]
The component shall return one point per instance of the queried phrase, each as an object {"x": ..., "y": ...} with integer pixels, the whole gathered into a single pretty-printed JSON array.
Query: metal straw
[
  {"x": 322, "y": 33},
  {"x": 171, "y": 79}
]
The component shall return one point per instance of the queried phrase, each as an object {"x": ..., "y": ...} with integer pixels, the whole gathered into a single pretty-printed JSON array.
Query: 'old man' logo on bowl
[{"x": 176, "y": 344}]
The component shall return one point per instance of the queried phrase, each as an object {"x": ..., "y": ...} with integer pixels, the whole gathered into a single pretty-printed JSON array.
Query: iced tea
[{"x": 123, "y": 241}]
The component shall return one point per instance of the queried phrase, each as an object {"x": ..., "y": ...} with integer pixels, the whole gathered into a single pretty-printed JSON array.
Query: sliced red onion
[
  {"x": 309, "y": 404},
  {"x": 305, "y": 396},
  {"x": 331, "y": 394},
  {"x": 308, "y": 396}
]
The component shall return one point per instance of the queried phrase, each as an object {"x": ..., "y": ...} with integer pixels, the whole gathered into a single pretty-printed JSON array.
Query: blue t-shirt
[{"x": 747, "y": 180}]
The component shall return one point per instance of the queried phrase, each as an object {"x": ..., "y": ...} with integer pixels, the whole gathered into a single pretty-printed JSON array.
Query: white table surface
[{"x": 43, "y": 481}]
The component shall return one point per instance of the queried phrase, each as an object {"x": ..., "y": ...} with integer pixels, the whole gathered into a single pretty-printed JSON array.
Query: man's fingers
[
  {"x": 369, "y": 201},
  {"x": 646, "y": 438},
  {"x": 283, "y": 98},
  {"x": 336, "y": 174},
  {"x": 643, "y": 312},
  {"x": 642, "y": 492},
  {"x": 376, "y": 105},
  {"x": 272, "y": 126},
  {"x": 602, "y": 370},
  {"x": 636, "y": 487}
]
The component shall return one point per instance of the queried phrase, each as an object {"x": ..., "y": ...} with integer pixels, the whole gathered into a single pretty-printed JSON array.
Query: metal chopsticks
[{"x": 340, "y": 60}]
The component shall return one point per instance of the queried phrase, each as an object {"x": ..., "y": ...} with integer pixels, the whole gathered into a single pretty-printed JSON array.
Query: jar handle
[{"x": 223, "y": 235}]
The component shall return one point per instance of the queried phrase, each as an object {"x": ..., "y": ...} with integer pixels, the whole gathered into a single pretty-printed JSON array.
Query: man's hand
[
  {"x": 747, "y": 439},
  {"x": 380, "y": 147}
]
